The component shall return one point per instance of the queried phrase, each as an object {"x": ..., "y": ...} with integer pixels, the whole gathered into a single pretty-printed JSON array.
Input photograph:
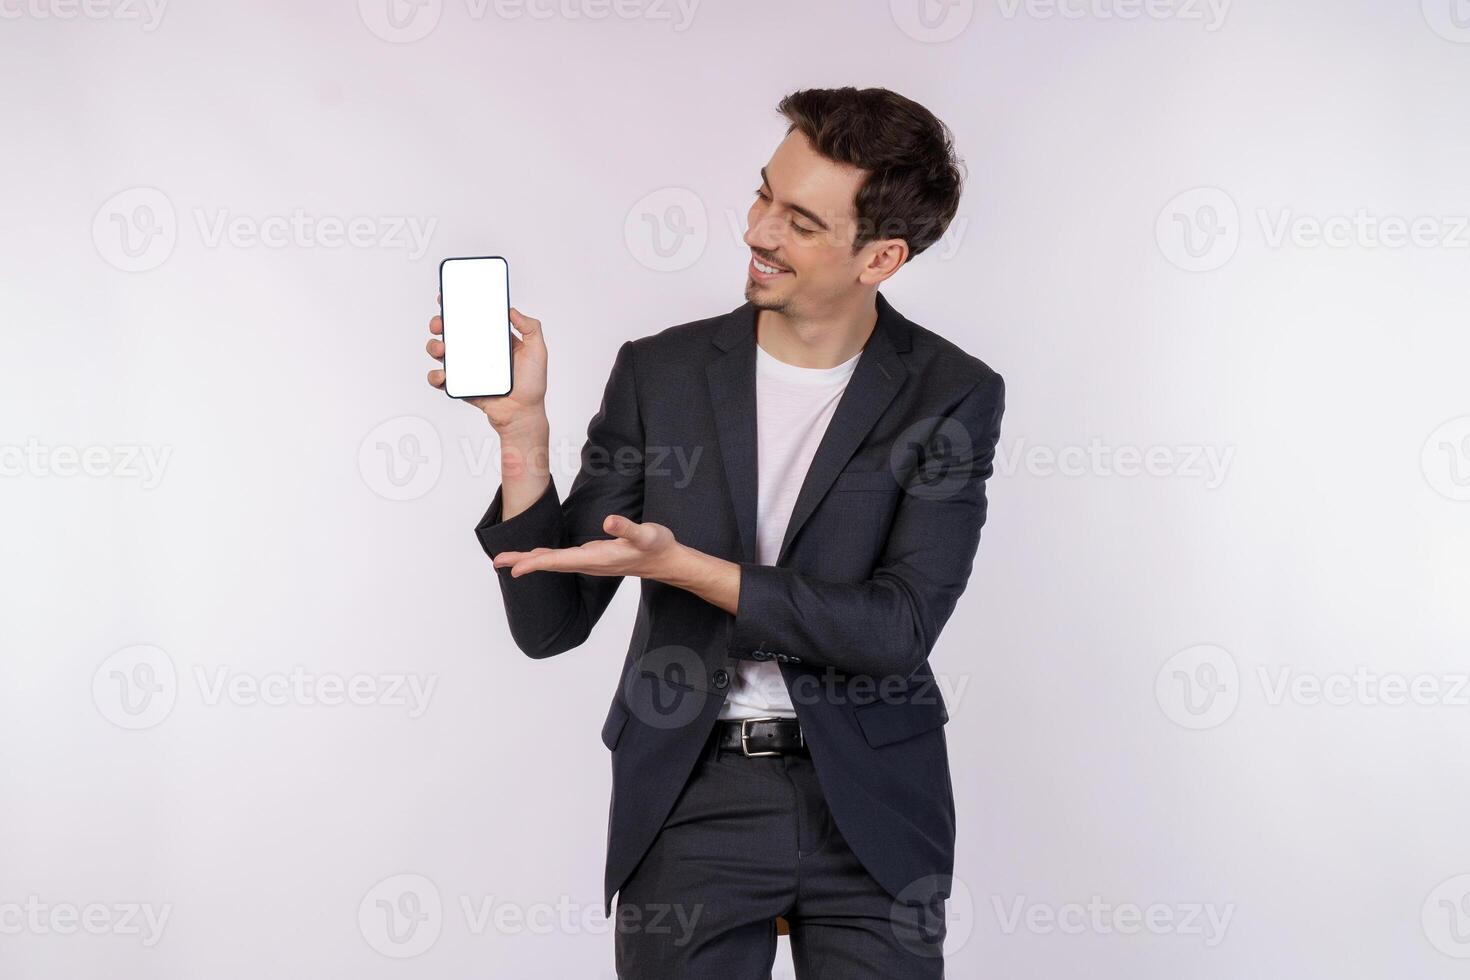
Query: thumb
[
  {"x": 630, "y": 531},
  {"x": 529, "y": 326}
]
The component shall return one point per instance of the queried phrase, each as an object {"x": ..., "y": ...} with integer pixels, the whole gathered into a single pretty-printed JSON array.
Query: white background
[{"x": 312, "y": 501}]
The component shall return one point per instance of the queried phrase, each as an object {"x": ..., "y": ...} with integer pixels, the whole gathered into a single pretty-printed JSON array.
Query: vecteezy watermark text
[
  {"x": 148, "y": 13},
  {"x": 1207, "y": 921},
  {"x": 402, "y": 459},
  {"x": 1201, "y": 686},
  {"x": 137, "y": 688},
  {"x": 121, "y": 461},
  {"x": 1200, "y": 230},
  {"x": 35, "y": 917},
  {"x": 137, "y": 229},
  {"x": 407, "y": 21},
  {"x": 1210, "y": 13},
  {"x": 403, "y": 915},
  {"x": 1207, "y": 464}
]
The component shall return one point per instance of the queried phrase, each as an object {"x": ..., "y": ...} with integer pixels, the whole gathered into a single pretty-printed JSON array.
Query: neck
[{"x": 823, "y": 341}]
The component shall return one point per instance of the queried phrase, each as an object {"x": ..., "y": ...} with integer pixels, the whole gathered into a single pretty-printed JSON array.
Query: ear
[{"x": 882, "y": 259}]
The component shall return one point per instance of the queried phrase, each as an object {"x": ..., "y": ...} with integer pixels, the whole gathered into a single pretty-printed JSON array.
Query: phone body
[{"x": 474, "y": 301}]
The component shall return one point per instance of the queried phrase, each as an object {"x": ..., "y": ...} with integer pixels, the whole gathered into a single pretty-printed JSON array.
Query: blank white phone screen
[{"x": 476, "y": 301}]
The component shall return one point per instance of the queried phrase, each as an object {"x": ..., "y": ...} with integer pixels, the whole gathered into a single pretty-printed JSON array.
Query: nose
[{"x": 761, "y": 232}]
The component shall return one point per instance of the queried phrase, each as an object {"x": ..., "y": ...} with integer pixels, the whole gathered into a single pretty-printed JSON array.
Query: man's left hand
[
  {"x": 642, "y": 550},
  {"x": 645, "y": 550}
]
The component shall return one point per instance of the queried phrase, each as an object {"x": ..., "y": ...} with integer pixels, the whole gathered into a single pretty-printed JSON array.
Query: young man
[{"x": 777, "y": 741}]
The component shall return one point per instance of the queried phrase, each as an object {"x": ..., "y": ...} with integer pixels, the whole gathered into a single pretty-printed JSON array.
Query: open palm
[{"x": 640, "y": 550}]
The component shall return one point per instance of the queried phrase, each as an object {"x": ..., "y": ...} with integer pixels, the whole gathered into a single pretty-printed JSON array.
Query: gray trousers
[{"x": 747, "y": 840}]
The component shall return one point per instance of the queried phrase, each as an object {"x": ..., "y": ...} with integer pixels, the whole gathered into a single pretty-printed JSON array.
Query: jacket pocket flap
[
  {"x": 612, "y": 728},
  {"x": 865, "y": 480},
  {"x": 886, "y": 722}
]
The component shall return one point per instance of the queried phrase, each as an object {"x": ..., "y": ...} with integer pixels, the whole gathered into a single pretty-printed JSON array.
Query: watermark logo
[
  {"x": 136, "y": 687},
  {"x": 404, "y": 915},
  {"x": 666, "y": 687},
  {"x": 1445, "y": 459},
  {"x": 1199, "y": 230},
  {"x": 1201, "y": 687},
  {"x": 402, "y": 458},
  {"x": 136, "y": 230},
  {"x": 1450, "y": 19},
  {"x": 400, "y": 21},
  {"x": 1446, "y": 917},
  {"x": 667, "y": 230},
  {"x": 1198, "y": 687},
  {"x": 938, "y": 458},
  {"x": 932, "y": 21},
  {"x": 401, "y": 916},
  {"x": 928, "y": 924}
]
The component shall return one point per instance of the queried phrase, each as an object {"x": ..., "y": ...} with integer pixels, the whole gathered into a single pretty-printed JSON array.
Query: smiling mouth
[{"x": 763, "y": 270}]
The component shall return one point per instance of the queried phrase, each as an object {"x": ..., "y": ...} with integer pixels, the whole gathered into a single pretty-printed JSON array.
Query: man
[{"x": 777, "y": 741}]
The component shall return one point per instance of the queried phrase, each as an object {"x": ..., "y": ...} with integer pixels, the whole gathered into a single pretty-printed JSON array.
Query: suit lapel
[
  {"x": 875, "y": 380},
  {"x": 731, "y": 377},
  {"x": 878, "y": 375}
]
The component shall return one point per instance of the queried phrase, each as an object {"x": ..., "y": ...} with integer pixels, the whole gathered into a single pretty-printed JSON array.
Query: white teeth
[{"x": 769, "y": 270}]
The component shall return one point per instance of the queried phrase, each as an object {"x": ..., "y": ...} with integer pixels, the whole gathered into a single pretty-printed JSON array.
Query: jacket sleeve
[
  {"x": 887, "y": 625},
  {"x": 550, "y": 613}
]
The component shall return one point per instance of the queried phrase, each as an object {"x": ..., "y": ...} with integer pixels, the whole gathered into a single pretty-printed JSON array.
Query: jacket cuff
[
  {"x": 538, "y": 526},
  {"x": 759, "y": 585}
]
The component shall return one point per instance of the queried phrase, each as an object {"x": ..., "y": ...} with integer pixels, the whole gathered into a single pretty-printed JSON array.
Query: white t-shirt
[{"x": 793, "y": 406}]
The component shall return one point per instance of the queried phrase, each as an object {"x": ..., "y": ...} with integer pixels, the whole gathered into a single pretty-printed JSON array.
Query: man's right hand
[
  {"x": 527, "y": 399},
  {"x": 519, "y": 418}
]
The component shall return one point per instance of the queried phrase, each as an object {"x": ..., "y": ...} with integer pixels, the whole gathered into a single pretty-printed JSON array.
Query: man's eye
[
  {"x": 805, "y": 232},
  {"x": 760, "y": 192}
]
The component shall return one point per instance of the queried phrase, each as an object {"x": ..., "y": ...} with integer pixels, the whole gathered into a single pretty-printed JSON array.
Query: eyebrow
[{"x": 808, "y": 215}]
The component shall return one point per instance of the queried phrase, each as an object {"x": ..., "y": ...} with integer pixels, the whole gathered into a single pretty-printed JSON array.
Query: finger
[
  {"x": 555, "y": 560},
  {"x": 640, "y": 535},
  {"x": 529, "y": 326},
  {"x": 526, "y": 566},
  {"x": 617, "y": 524},
  {"x": 436, "y": 324},
  {"x": 435, "y": 348},
  {"x": 436, "y": 378},
  {"x": 507, "y": 558}
]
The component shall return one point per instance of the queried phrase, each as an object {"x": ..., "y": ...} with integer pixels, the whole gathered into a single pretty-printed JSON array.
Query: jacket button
[{"x": 721, "y": 679}]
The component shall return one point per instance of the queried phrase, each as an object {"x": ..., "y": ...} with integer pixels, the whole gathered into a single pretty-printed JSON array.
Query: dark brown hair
[{"x": 914, "y": 179}]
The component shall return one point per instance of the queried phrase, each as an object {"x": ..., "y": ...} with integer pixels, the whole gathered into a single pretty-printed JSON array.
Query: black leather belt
[{"x": 756, "y": 737}]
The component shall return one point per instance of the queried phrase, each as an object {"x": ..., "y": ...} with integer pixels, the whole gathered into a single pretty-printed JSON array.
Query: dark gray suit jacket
[{"x": 878, "y": 550}]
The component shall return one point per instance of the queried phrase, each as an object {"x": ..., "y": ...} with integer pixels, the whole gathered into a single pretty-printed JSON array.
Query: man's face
[{"x": 800, "y": 230}]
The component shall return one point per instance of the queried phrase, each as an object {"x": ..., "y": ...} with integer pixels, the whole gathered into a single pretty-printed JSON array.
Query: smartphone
[{"x": 474, "y": 300}]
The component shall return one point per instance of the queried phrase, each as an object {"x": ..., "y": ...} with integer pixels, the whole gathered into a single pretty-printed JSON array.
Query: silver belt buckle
[{"x": 745, "y": 738}]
